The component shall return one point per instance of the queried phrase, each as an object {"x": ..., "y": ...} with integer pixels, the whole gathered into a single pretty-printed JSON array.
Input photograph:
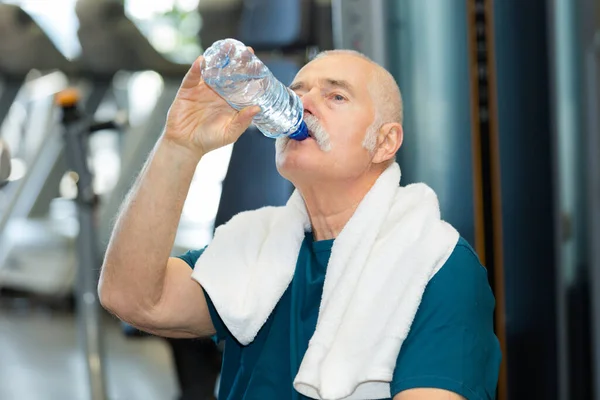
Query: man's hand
[
  {"x": 199, "y": 119},
  {"x": 427, "y": 394}
]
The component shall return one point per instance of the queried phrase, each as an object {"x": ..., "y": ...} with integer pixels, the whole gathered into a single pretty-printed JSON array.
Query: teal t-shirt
[{"x": 451, "y": 344}]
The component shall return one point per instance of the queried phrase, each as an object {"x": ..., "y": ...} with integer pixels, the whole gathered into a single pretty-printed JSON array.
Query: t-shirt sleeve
[
  {"x": 451, "y": 344},
  {"x": 190, "y": 258}
]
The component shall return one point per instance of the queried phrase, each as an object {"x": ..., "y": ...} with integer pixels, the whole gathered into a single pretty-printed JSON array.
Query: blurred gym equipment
[
  {"x": 24, "y": 46},
  {"x": 220, "y": 19},
  {"x": 38, "y": 256},
  {"x": 111, "y": 43},
  {"x": 29, "y": 62},
  {"x": 76, "y": 130},
  {"x": 5, "y": 165}
]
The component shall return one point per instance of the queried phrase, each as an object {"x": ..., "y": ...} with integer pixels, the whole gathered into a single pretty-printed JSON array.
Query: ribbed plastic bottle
[{"x": 240, "y": 78}]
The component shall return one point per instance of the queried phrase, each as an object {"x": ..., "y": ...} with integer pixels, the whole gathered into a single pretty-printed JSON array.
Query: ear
[{"x": 389, "y": 140}]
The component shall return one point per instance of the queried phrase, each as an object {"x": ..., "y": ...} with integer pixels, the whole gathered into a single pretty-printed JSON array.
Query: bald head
[{"x": 382, "y": 86}]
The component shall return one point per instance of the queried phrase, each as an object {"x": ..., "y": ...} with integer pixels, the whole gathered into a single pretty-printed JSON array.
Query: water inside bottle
[{"x": 243, "y": 80}]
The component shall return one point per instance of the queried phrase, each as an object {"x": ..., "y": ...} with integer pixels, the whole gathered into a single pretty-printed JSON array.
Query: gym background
[{"x": 501, "y": 118}]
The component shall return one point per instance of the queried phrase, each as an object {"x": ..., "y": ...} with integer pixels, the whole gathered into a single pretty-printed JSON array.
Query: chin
[{"x": 298, "y": 159}]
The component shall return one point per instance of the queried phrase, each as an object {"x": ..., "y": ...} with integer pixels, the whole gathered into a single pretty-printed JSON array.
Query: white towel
[{"x": 379, "y": 266}]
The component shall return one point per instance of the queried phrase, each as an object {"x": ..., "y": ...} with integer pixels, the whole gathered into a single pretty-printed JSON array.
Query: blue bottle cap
[{"x": 301, "y": 133}]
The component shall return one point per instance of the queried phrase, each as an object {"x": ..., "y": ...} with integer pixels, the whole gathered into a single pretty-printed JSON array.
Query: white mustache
[{"x": 316, "y": 130}]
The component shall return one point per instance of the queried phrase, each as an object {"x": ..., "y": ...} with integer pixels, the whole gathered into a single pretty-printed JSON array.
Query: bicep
[
  {"x": 427, "y": 394},
  {"x": 182, "y": 311}
]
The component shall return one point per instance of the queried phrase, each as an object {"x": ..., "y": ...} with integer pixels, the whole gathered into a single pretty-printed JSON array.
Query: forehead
[{"x": 352, "y": 69}]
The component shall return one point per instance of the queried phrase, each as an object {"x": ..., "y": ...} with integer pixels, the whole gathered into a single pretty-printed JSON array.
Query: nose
[{"x": 309, "y": 102}]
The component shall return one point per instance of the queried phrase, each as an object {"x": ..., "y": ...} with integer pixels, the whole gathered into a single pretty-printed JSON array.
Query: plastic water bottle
[{"x": 240, "y": 78}]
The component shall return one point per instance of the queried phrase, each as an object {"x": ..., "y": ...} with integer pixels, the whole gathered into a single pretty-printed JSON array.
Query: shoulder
[
  {"x": 462, "y": 275},
  {"x": 451, "y": 344},
  {"x": 459, "y": 293}
]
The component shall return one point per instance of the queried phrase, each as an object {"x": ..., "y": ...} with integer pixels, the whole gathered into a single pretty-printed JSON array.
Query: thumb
[
  {"x": 194, "y": 75},
  {"x": 241, "y": 121}
]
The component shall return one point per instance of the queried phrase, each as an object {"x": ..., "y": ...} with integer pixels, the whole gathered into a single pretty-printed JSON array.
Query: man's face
[{"x": 335, "y": 94}]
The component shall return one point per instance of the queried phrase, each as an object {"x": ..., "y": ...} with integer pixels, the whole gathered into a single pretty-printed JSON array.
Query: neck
[{"x": 331, "y": 205}]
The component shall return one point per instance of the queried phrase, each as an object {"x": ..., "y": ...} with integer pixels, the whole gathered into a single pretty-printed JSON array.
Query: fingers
[
  {"x": 241, "y": 122},
  {"x": 194, "y": 75},
  {"x": 251, "y": 49}
]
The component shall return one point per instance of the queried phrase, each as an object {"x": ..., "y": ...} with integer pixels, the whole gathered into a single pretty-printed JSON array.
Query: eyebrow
[{"x": 337, "y": 83}]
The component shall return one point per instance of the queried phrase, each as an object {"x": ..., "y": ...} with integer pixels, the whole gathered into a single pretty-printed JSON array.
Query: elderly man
[{"x": 356, "y": 289}]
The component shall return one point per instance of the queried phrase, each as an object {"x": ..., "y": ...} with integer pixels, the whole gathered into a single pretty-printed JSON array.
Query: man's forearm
[{"x": 136, "y": 258}]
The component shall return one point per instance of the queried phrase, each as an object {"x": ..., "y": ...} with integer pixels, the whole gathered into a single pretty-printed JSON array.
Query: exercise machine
[{"x": 5, "y": 164}]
